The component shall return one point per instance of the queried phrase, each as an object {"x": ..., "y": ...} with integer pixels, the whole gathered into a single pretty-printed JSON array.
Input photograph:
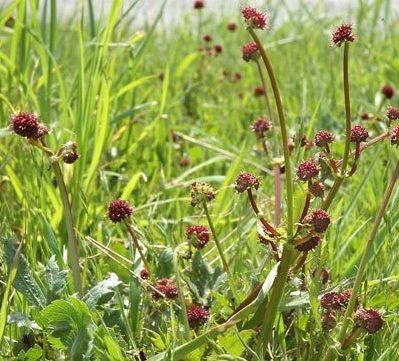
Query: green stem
[
  {"x": 288, "y": 251},
  {"x": 137, "y": 245},
  {"x": 216, "y": 239},
  {"x": 363, "y": 262},
  {"x": 72, "y": 240},
  {"x": 184, "y": 318}
]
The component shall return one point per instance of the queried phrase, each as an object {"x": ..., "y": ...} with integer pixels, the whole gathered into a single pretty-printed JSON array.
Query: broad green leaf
[
  {"x": 102, "y": 292},
  {"x": 56, "y": 280}
]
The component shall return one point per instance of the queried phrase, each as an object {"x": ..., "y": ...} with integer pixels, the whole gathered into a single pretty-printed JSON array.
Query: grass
[{"x": 119, "y": 90}]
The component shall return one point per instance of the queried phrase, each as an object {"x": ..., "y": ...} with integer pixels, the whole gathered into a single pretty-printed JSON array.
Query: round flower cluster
[
  {"x": 370, "y": 320},
  {"x": 317, "y": 189},
  {"x": 199, "y": 4},
  {"x": 337, "y": 301},
  {"x": 259, "y": 91},
  {"x": 27, "y": 125},
  {"x": 164, "y": 289},
  {"x": 69, "y": 152},
  {"x": 319, "y": 219},
  {"x": 201, "y": 193},
  {"x": 144, "y": 274},
  {"x": 359, "y": 133},
  {"x": 246, "y": 181},
  {"x": 260, "y": 127},
  {"x": 392, "y": 113},
  {"x": 250, "y": 52},
  {"x": 119, "y": 210},
  {"x": 323, "y": 138},
  {"x": 342, "y": 34},
  {"x": 307, "y": 170},
  {"x": 198, "y": 235},
  {"x": 207, "y": 38},
  {"x": 197, "y": 316},
  {"x": 395, "y": 136},
  {"x": 310, "y": 244},
  {"x": 254, "y": 18},
  {"x": 232, "y": 26},
  {"x": 388, "y": 91}
]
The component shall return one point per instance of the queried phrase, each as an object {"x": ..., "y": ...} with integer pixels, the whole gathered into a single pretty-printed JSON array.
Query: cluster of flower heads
[
  {"x": 246, "y": 181},
  {"x": 201, "y": 193},
  {"x": 197, "y": 316},
  {"x": 198, "y": 236},
  {"x": 335, "y": 303},
  {"x": 343, "y": 34}
]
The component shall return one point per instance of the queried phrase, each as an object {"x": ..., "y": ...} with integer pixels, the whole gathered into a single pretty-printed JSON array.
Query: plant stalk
[{"x": 137, "y": 245}]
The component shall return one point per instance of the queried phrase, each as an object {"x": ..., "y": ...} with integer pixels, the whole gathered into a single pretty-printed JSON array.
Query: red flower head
[
  {"x": 319, "y": 219},
  {"x": 144, "y": 275},
  {"x": 119, "y": 210},
  {"x": 307, "y": 170},
  {"x": 370, "y": 320},
  {"x": 69, "y": 152},
  {"x": 164, "y": 289},
  {"x": 323, "y": 138},
  {"x": 345, "y": 297},
  {"x": 392, "y": 113},
  {"x": 250, "y": 52},
  {"x": 198, "y": 235},
  {"x": 259, "y": 91},
  {"x": 331, "y": 301},
  {"x": 366, "y": 116},
  {"x": 254, "y": 18},
  {"x": 317, "y": 189},
  {"x": 197, "y": 316},
  {"x": 329, "y": 321},
  {"x": 307, "y": 246},
  {"x": 237, "y": 75},
  {"x": 201, "y": 193},
  {"x": 199, "y": 4},
  {"x": 359, "y": 133},
  {"x": 342, "y": 34},
  {"x": 395, "y": 136},
  {"x": 246, "y": 181},
  {"x": 260, "y": 127},
  {"x": 207, "y": 38},
  {"x": 232, "y": 26},
  {"x": 218, "y": 48},
  {"x": 388, "y": 91},
  {"x": 25, "y": 124}
]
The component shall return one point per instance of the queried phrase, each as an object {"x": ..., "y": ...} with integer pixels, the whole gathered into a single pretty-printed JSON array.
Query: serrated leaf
[
  {"x": 102, "y": 292},
  {"x": 33, "y": 354},
  {"x": 56, "y": 280},
  {"x": 24, "y": 281}
]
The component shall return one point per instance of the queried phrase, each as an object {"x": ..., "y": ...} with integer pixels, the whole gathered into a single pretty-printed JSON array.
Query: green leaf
[
  {"x": 102, "y": 292},
  {"x": 33, "y": 354},
  {"x": 56, "y": 280},
  {"x": 24, "y": 281},
  {"x": 230, "y": 343},
  {"x": 22, "y": 320}
]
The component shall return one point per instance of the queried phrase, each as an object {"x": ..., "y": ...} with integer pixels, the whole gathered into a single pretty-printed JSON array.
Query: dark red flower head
[
  {"x": 237, "y": 75},
  {"x": 342, "y": 34},
  {"x": 345, "y": 297},
  {"x": 199, "y": 4},
  {"x": 395, "y": 136},
  {"x": 317, "y": 189},
  {"x": 198, "y": 235},
  {"x": 250, "y": 52},
  {"x": 119, "y": 210},
  {"x": 329, "y": 321},
  {"x": 232, "y": 26},
  {"x": 331, "y": 301},
  {"x": 164, "y": 289},
  {"x": 260, "y": 126},
  {"x": 197, "y": 316},
  {"x": 246, "y": 181},
  {"x": 207, "y": 38},
  {"x": 392, "y": 113},
  {"x": 201, "y": 193},
  {"x": 319, "y": 219},
  {"x": 307, "y": 170},
  {"x": 25, "y": 124},
  {"x": 259, "y": 91},
  {"x": 359, "y": 133},
  {"x": 144, "y": 274},
  {"x": 307, "y": 246},
  {"x": 366, "y": 116},
  {"x": 388, "y": 91},
  {"x": 370, "y": 320},
  {"x": 69, "y": 152},
  {"x": 323, "y": 138},
  {"x": 218, "y": 48},
  {"x": 254, "y": 18}
]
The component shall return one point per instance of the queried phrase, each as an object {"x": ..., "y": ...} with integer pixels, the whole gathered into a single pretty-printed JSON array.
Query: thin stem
[
  {"x": 137, "y": 245},
  {"x": 265, "y": 224},
  {"x": 356, "y": 161},
  {"x": 364, "y": 261},
  {"x": 72, "y": 240},
  {"x": 216, "y": 239},
  {"x": 277, "y": 194},
  {"x": 182, "y": 301}
]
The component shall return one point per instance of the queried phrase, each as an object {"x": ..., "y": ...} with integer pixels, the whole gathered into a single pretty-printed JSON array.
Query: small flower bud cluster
[
  {"x": 27, "y": 125},
  {"x": 197, "y": 316},
  {"x": 359, "y": 134},
  {"x": 369, "y": 320},
  {"x": 164, "y": 289},
  {"x": 307, "y": 170},
  {"x": 119, "y": 210},
  {"x": 246, "y": 181},
  {"x": 201, "y": 193},
  {"x": 323, "y": 138},
  {"x": 199, "y": 236},
  {"x": 260, "y": 127},
  {"x": 342, "y": 34},
  {"x": 250, "y": 52},
  {"x": 254, "y": 18},
  {"x": 318, "y": 219}
]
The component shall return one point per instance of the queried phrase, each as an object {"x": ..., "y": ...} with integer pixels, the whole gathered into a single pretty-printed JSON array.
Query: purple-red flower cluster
[
  {"x": 197, "y": 315},
  {"x": 342, "y": 34},
  {"x": 359, "y": 133},
  {"x": 250, "y": 52},
  {"x": 369, "y": 320},
  {"x": 27, "y": 125},
  {"x": 307, "y": 170},
  {"x": 323, "y": 138},
  {"x": 260, "y": 126},
  {"x": 246, "y": 181},
  {"x": 254, "y": 18},
  {"x": 164, "y": 289},
  {"x": 198, "y": 235},
  {"x": 319, "y": 219},
  {"x": 119, "y": 210}
]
